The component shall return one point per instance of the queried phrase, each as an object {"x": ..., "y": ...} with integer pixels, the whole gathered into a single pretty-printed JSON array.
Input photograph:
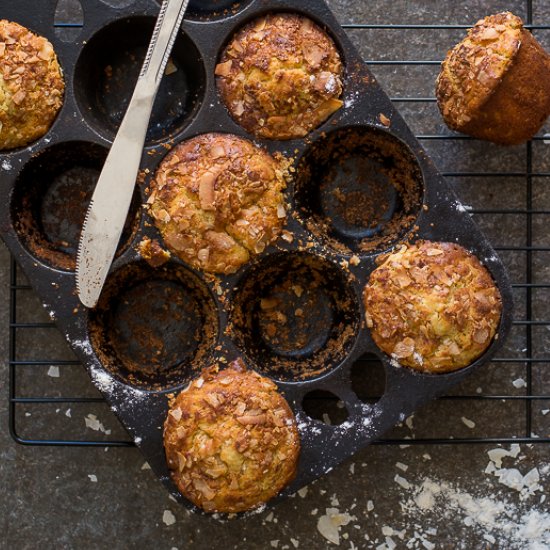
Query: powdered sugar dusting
[
  {"x": 84, "y": 346},
  {"x": 463, "y": 207},
  {"x": 350, "y": 100},
  {"x": 492, "y": 517},
  {"x": 102, "y": 379}
]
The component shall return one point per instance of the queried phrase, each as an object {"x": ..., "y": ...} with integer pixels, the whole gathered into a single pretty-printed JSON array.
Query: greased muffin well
[
  {"x": 432, "y": 306},
  {"x": 495, "y": 84},
  {"x": 281, "y": 76},
  {"x": 217, "y": 199},
  {"x": 31, "y": 85},
  {"x": 231, "y": 440}
]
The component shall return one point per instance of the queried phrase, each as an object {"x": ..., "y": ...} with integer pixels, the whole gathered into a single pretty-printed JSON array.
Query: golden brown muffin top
[
  {"x": 231, "y": 440},
  {"x": 281, "y": 76},
  {"x": 217, "y": 199},
  {"x": 31, "y": 85},
  {"x": 474, "y": 68},
  {"x": 432, "y": 306}
]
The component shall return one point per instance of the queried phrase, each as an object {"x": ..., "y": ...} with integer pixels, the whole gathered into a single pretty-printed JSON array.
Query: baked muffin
[
  {"x": 231, "y": 440},
  {"x": 281, "y": 76},
  {"x": 495, "y": 84},
  {"x": 31, "y": 85},
  {"x": 432, "y": 307},
  {"x": 217, "y": 199}
]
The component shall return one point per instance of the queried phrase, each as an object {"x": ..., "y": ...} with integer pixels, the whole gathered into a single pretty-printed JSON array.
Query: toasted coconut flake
[
  {"x": 252, "y": 420},
  {"x": 176, "y": 414},
  {"x": 207, "y": 193},
  {"x": 224, "y": 69},
  {"x": 19, "y": 97},
  {"x": 404, "y": 349},
  {"x": 481, "y": 336}
]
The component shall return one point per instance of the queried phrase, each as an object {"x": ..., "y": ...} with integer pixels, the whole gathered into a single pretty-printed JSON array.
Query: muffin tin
[{"x": 295, "y": 313}]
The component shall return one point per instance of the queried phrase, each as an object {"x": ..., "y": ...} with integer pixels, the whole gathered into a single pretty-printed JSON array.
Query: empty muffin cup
[
  {"x": 295, "y": 317},
  {"x": 107, "y": 71},
  {"x": 359, "y": 190},
  {"x": 51, "y": 198},
  {"x": 154, "y": 328},
  {"x": 214, "y": 9}
]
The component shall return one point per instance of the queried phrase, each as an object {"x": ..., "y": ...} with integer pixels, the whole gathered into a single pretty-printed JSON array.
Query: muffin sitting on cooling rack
[
  {"x": 231, "y": 440},
  {"x": 495, "y": 84},
  {"x": 432, "y": 307},
  {"x": 217, "y": 200},
  {"x": 31, "y": 85},
  {"x": 281, "y": 76}
]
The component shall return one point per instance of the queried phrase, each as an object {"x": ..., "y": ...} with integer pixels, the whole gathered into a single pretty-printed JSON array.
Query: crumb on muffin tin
[
  {"x": 231, "y": 440},
  {"x": 31, "y": 85},
  {"x": 217, "y": 200},
  {"x": 281, "y": 76},
  {"x": 432, "y": 306}
]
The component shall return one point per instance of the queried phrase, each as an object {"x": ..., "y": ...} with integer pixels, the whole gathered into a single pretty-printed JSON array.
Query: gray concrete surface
[{"x": 49, "y": 501}]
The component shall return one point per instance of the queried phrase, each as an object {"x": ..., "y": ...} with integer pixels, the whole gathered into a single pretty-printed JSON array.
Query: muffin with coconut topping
[
  {"x": 495, "y": 84},
  {"x": 217, "y": 200},
  {"x": 281, "y": 76},
  {"x": 31, "y": 85},
  {"x": 432, "y": 307},
  {"x": 231, "y": 440}
]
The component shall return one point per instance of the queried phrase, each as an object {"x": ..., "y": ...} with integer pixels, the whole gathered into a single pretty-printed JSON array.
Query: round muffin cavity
[
  {"x": 432, "y": 307},
  {"x": 231, "y": 440},
  {"x": 495, "y": 84},
  {"x": 281, "y": 76},
  {"x": 217, "y": 200},
  {"x": 31, "y": 85}
]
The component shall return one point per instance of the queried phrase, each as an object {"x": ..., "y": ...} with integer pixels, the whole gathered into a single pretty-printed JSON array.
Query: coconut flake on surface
[
  {"x": 53, "y": 372},
  {"x": 330, "y": 523},
  {"x": 93, "y": 423},
  {"x": 401, "y": 481},
  {"x": 168, "y": 518},
  {"x": 468, "y": 423},
  {"x": 496, "y": 455},
  {"x": 93, "y": 478}
]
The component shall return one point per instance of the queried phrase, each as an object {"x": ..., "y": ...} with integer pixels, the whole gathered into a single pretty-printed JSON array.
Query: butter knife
[{"x": 112, "y": 197}]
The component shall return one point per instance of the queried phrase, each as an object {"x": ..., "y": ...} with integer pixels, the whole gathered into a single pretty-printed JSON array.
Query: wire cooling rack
[{"x": 517, "y": 382}]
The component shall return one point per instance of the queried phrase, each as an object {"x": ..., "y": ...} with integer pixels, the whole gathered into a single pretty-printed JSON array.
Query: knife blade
[{"x": 110, "y": 203}]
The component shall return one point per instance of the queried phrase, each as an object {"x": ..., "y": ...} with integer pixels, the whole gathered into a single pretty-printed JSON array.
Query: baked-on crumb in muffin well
[
  {"x": 31, "y": 85},
  {"x": 231, "y": 440},
  {"x": 432, "y": 306},
  {"x": 281, "y": 76},
  {"x": 217, "y": 199},
  {"x": 495, "y": 84}
]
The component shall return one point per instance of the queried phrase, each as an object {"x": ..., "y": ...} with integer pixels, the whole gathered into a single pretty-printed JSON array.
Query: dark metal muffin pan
[{"x": 155, "y": 329}]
